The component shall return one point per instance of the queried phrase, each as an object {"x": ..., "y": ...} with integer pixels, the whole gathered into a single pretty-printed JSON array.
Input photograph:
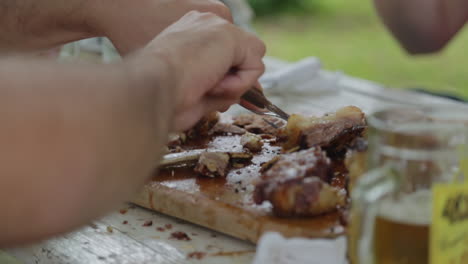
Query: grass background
[{"x": 348, "y": 36}]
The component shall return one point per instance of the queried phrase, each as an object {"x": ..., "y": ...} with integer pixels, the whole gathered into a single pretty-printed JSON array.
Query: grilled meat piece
[
  {"x": 203, "y": 127},
  {"x": 301, "y": 164},
  {"x": 301, "y": 197},
  {"x": 213, "y": 164},
  {"x": 227, "y": 129},
  {"x": 295, "y": 185},
  {"x": 217, "y": 164},
  {"x": 256, "y": 124},
  {"x": 175, "y": 142},
  {"x": 334, "y": 132},
  {"x": 252, "y": 142}
]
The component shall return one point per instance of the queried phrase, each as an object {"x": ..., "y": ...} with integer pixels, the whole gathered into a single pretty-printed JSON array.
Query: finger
[
  {"x": 235, "y": 85},
  {"x": 248, "y": 64},
  {"x": 220, "y": 9},
  {"x": 259, "y": 86},
  {"x": 250, "y": 106},
  {"x": 188, "y": 118},
  {"x": 230, "y": 87},
  {"x": 218, "y": 104}
]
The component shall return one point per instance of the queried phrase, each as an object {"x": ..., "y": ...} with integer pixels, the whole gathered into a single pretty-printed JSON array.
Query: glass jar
[{"x": 410, "y": 151}]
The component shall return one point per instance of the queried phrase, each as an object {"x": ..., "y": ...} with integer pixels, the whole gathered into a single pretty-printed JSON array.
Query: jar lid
[{"x": 422, "y": 128}]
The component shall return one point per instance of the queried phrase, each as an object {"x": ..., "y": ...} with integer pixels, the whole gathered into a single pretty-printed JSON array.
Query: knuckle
[
  {"x": 223, "y": 11},
  {"x": 192, "y": 14},
  {"x": 220, "y": 9},
  {"x": 208, "y": 16},
  {"x": 261, "y": 48},
  {"x": 256, "y": 46},
  {"x": 262, "y": 67}
]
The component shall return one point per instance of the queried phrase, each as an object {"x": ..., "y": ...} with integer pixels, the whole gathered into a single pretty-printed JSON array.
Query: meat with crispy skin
[
  {"x": 252, "y": 142},
  {"x": 334, "y": 132},
  {"x": 304, "y": 163},
  {"x": 256, "y": 124},
  {"x": 308, "y": 196},
  {"x": 217, "y": 164},
  {"x": 213, "y": 164},
  {"x": 295, "y": 185}
]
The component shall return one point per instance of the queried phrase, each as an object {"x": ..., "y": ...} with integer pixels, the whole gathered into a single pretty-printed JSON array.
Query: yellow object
[{"x": 449, "y": 229}]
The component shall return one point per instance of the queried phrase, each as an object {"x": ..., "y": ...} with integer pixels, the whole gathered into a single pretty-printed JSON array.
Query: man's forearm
[
  {"x": 30, "y": 25},
  {"x": 423, "y": 26},
  {"x": 76, "y": 140}
]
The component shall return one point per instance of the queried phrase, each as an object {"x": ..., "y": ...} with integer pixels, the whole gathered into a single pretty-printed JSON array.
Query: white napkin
[
  {"x": 275, "y": 249},
  {"x": 304, "y": 77}
]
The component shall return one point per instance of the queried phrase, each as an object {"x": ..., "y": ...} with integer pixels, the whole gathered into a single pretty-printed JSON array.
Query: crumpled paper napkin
[
  {"x": 304, "y": 77},
  {"x": 275, "y": 249}
]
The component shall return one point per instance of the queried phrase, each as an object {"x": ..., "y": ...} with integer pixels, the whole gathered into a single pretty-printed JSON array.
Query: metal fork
[{"x": 262, "y": 105}]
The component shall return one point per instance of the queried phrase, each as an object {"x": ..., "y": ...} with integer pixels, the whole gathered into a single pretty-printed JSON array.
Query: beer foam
[{"x": 414, "y": 208}]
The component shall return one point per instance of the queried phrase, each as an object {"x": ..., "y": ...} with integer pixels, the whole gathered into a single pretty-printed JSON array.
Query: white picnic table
[{"x": 121, "y": 237}]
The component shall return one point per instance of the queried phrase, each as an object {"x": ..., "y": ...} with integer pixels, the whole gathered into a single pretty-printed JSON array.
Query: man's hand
[
  {"x": 423, "y": 26},
  {"x": 92, "y": 135},
  {"x": 212, "y": 62}
]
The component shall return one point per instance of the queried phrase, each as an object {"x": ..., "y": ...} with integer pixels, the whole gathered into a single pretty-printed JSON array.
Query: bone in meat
[{"x": 334, "y": 132}]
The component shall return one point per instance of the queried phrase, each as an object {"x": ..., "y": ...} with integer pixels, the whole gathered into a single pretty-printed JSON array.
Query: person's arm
[
  {"x": 77, "y": 140},
  {"x": 28, "y": 25},
  {"x": 423, "y": 26},
  {"x": 31, "y": 25}
]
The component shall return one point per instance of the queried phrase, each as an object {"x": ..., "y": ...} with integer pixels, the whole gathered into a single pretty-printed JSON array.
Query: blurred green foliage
[
  {"x": 348, "y": 36},
  {"x": 273, "y": 7}
]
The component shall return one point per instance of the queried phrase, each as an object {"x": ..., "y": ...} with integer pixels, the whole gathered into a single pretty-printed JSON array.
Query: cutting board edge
[{"x": 219, "y": 216}]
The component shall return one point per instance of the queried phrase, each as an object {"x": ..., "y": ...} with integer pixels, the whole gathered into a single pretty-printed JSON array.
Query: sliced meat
[
  {"x": 302, "y": 197},
  {"x": 203, "y": 127},
  {"x": 295, "y": 184},
  {"x": 334, "y": 132},
  {"x": 175, "y": 142},
  {"x": 301, "y": 164},
  {"x": 256, "y": 124},
  {"x": 227, "y": 129},
  {"x": 213, "y": 164},
  {"x": 252, "y": 142}
]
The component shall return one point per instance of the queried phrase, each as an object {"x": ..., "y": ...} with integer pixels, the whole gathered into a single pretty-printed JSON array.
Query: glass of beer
[{"x": 410, "y": 150}]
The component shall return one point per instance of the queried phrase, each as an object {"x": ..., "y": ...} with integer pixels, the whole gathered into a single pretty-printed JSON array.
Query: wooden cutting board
[{"x": 225, "y": 204}]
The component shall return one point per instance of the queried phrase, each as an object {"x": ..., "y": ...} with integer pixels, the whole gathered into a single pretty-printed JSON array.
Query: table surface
[{"x": 110, "y": 240}]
